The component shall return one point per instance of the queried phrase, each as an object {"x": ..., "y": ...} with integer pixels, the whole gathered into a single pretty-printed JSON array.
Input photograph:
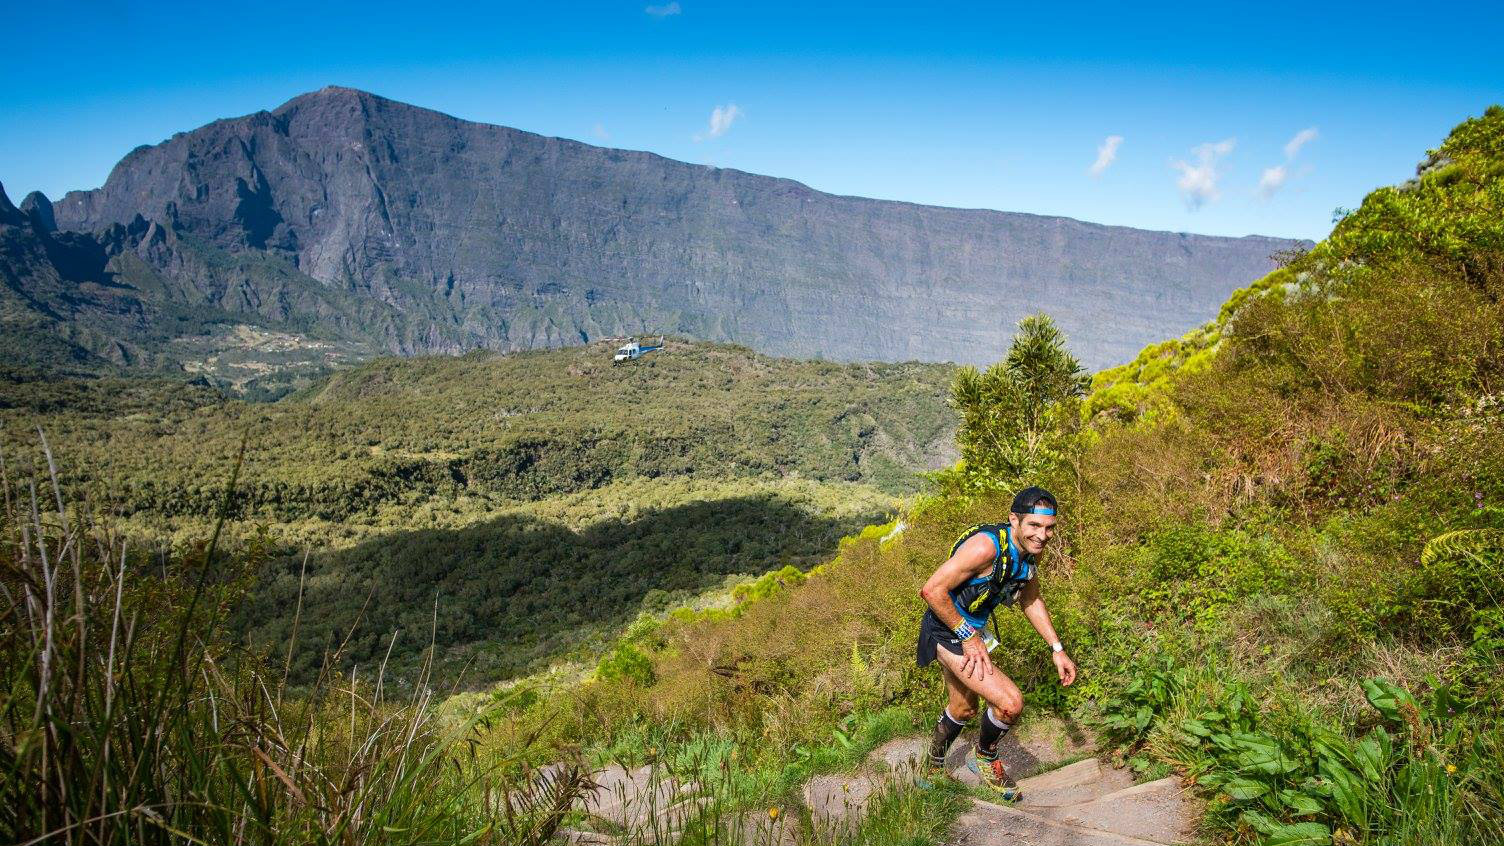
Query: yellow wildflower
[{"x": 772, "y": 813}]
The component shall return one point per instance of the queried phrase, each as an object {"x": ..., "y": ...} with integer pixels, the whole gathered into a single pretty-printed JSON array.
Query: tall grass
[
  {"x": 127, "y": 716},
  {"x": 700, "y": 792}
]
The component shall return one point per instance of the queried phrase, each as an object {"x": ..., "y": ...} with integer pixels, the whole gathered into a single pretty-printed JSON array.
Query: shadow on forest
[{"x": 515, "y": 591}]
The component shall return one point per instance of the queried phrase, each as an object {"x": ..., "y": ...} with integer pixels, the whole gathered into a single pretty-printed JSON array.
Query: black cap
[{"x": 1026, "y": 500}]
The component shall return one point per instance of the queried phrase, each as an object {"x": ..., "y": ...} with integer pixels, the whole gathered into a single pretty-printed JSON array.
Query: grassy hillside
[{"x": 1279, "y": 567}]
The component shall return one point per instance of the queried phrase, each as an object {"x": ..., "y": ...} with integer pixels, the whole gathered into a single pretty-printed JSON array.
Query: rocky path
[
  {"x": 1082, "y": 804},
  {"x": 1069, "y": 799}
]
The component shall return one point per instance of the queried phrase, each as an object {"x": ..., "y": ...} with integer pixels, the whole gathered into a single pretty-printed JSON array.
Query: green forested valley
[
  {"x": 539, "y": 498},
  {"x": 488, "y": 426}
]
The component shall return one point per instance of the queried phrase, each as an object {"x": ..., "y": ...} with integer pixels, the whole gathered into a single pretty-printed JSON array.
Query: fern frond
[{"x": 1473, "y": 542}]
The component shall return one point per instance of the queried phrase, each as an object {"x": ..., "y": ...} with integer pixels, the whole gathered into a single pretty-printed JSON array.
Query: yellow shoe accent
[{"x": 995, "y": 779}]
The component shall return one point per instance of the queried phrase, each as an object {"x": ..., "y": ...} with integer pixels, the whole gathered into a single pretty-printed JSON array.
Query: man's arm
[
  {"x": 1032, "y": 604},
  {"x": 973, "y": 558}
]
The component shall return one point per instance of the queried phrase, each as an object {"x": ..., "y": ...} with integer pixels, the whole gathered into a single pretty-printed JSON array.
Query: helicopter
[{"x": 634, "y": 350}]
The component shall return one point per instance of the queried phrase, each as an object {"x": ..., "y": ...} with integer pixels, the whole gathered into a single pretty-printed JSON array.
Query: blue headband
[{"x": 1039, "y": 509}]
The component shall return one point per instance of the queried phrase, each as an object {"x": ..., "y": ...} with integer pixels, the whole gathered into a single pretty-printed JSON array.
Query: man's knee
[{"x": 1008, "y": 705}]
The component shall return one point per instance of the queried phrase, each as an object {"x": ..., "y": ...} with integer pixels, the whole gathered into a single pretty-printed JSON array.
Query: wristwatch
[{"x": 1057, "y": 646}]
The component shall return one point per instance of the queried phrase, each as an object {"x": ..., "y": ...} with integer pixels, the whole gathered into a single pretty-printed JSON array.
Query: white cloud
[
  {"x": 1272, "y": 180},
  {"x": 599, "y": 131},
  {"x": 1106, "y": 154},
  {"x": 721, "y": 118},
  {"x": 1198, "y": 180},
  {"x": 664, "y": 11},
  {"x": 1302, "y": 138}
]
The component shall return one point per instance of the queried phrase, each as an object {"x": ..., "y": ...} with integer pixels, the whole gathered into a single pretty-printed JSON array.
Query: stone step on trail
[
  {"x": 1035, "y": 746},
  {"x": 1083, "y": 804},
  {"x": 1073, "y": 784},
  {"x": 1156, "y": 810},
  {"x": 648, "y": 806},
  {"x": 644, "y": 801},
  {"x": 632, "y": 798},
  {"x": 986, "y": 824}
]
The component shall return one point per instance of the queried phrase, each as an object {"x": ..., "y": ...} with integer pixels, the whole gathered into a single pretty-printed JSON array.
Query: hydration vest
[{"x": 976, "y": 598}]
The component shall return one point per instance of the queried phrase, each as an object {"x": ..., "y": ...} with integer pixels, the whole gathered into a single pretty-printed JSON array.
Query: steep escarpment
[{"x": 482, "y": 236}]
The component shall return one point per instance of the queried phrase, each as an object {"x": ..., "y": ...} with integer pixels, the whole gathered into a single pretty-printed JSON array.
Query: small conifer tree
[{"x": 1016, "y": 415}]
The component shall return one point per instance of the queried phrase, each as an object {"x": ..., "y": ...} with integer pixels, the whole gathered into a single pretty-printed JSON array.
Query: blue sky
[{"x": 1232, "y": 118}]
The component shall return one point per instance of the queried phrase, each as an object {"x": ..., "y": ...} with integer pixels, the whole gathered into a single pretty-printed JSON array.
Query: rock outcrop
[{"x": 38, "y": 208}]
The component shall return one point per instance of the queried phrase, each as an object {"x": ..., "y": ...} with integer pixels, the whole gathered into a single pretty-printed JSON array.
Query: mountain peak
[
  {"x": 329, "y": 92},
  {"x": 339, "y": 90},
  {"x": 339, "y": 95},
  {"x": 37, "y": 207}
]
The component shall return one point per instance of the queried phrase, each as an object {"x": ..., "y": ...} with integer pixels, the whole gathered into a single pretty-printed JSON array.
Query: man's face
[{"x": 1032, "y": 531}]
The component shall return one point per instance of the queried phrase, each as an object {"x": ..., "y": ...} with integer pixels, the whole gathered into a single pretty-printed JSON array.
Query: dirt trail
[{"x": 1083, "y": 803}]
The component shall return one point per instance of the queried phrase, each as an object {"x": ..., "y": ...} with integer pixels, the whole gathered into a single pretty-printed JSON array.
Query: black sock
[
  {"x": 993, "y": 730},
  {"x": 947, "y": 729}
]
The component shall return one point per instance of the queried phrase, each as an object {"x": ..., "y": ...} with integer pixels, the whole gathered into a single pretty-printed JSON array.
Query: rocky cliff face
[
  {"x": 456, "y": 235},
  {"x": 52, "y": 287},
  {"x": 149, "y": 296}
]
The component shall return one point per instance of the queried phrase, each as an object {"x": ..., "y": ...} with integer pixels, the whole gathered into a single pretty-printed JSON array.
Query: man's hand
[
  {"x": 975, "y": 662},
  {"x": 1065, "y": 667}
]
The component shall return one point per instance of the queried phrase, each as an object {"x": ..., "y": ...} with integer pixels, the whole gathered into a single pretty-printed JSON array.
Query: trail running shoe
[
  {"x": 930, "y": 774},
  {"x": 995, "y": 779}
]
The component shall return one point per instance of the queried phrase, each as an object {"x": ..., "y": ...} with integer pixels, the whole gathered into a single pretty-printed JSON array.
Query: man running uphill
[{"x": 990, "y": 565}]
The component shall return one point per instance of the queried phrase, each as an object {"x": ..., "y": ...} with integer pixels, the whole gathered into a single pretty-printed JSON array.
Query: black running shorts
[{"x": 933, "y": 634}]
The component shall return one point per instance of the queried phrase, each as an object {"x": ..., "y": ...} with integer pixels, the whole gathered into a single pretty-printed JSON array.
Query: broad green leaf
[
  {"x": 1348, "y": 792},
  {"x": 1143, "y": 717},
  {"x": 1275, "y": 763},
  {"x": 1253, "y": 742},
  {"x": 1244, "y": 788},
  {"x": 1300, "y": 803},
  {"x": 1387, "y": 697},
  {"x": 1370, "y": 759},
  {"x": 1259, "y": 822},
  {"x": 1300, "y": 834}
]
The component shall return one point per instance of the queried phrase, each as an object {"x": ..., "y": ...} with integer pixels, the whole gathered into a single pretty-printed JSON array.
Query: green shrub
[
  {"x": 1286, "y": 778},
  {"x": 1195, "y": 574},
  {"x": 624, "y": 664}
]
